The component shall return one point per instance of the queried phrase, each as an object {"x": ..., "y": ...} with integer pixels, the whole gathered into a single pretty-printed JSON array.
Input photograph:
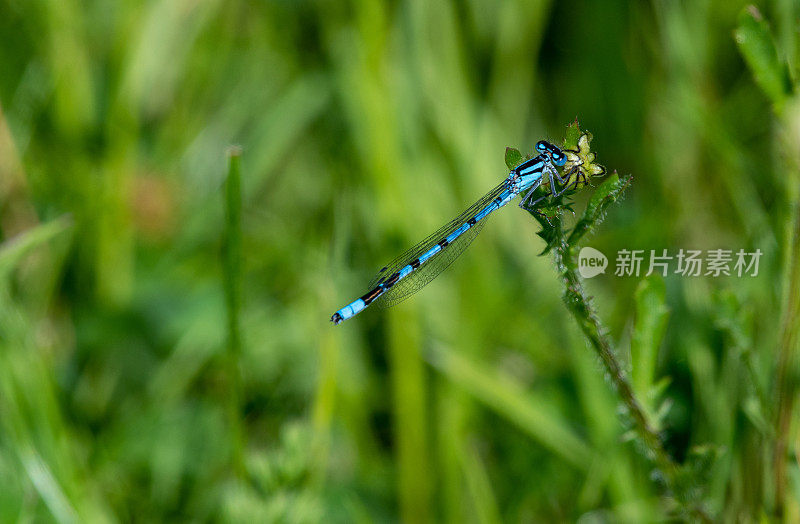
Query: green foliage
[
  {"x": 757, "y": 45},
  {"x": 513, "y": 158},
  {"x": 232, "y": 283},
  {"x": 772, "y": 74},
  {"x": 572, "y": 135},
  {"x": 513, "y": 402},
  {"x": 651, "y": 316},
  {"x": 14, "y": 251},
  {"x": 606, "y": 194}
]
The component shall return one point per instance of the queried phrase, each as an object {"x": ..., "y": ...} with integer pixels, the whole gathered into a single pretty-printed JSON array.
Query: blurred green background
[{"x": 364, "y": 126}]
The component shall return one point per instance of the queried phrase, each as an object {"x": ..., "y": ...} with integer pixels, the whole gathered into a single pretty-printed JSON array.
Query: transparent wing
[
  {"x": 434, "y": 238},
  {"x": 430, "y": 269}
]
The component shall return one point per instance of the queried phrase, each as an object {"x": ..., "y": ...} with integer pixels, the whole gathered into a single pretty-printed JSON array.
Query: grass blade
[
  {"x": 232, "y": 281},
  {"x": 520, "y": 407}
]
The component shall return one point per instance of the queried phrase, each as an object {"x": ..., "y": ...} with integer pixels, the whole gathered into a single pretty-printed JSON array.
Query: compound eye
[
  {"x": 541, "y": 145},
  {"x": 559, "y": 159}
]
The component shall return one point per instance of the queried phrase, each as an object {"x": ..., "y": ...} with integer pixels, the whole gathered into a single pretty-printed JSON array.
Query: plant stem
[
  {"x": 787, "y": 367},
  {"x": 789, "y": 342},
  {"x": 580, "y": 306},
  {"x": 232, "y": 279}
]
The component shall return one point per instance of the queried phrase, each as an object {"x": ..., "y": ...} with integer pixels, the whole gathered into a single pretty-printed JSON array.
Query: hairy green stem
[{"x": 579, "y": 305}]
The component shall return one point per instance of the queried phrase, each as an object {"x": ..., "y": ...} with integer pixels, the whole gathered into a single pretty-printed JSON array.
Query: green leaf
[
  {"x": 606, "y": 194},
  {"x": 757, "y": 45},
  {"x": 572, "y": 135},
  {"x": 648, "y": 331},
  {"x": 753, "y": 409},
  {"x": 548, "y": 214},
  {"x": 697, "y": 470},
  {"x": 548, "y": 233},
  {"x": 513, "y": 157},
  {"x": 13, "y": 250}
]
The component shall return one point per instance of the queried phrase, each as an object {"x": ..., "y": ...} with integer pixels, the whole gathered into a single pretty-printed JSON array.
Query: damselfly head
[{"x": 555, "y": 153}]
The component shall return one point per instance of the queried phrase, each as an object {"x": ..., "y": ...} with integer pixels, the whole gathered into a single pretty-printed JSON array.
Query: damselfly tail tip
[{"x": 337, "y": 319}]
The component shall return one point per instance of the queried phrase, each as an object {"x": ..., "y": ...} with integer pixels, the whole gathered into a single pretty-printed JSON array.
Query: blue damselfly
[{"x": 412, "y": 270}]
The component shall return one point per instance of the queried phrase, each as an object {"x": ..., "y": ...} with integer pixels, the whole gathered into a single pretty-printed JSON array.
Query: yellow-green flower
[{"x": 581, "y": 163}]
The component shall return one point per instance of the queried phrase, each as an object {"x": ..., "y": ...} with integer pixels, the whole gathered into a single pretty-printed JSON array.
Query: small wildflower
[{"x": 581, "y": 163}]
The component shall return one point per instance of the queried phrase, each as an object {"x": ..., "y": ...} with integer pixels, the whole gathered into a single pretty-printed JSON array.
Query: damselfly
[{"x": 412, "y": 270}]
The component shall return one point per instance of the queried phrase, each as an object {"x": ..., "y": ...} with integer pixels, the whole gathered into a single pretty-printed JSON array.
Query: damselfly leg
[{"x": 528, "y": 203}]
